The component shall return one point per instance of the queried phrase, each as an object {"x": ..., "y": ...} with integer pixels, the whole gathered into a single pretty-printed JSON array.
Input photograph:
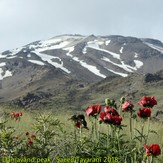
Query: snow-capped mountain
[
  {"x": 85, "y": 58},
  {"x": 88, "y": 57}
]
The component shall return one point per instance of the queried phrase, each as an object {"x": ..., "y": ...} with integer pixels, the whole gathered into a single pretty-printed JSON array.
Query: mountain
[{"x": 56, "y": 68}]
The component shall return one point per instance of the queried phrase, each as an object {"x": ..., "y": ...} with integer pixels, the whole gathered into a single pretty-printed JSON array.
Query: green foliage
[{"x": 51, "y": 137}]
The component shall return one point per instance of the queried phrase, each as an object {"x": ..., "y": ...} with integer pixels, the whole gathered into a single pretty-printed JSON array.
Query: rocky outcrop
[
  {"x": 30, "y": 98},
  {"x": 148, "y": 78}
]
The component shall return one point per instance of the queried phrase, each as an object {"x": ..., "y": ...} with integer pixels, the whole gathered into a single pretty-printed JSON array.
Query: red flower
[
  {"x": 109, "y": 118},
  {"x": 83, "y": 124},
  {"x": 93, "y": 110},
  {"x": 147, "y": 101},
  {"x": 29, "y": 142},
  {"x": 20, "y": 114},
  {"x": 27, "y": 133},
  {"x": 116, "y": 120},
  {"x": 78, "y": 124},
  {"x": 127, "y": 106},
  {"x": 16, "y": 115},
  {"x": 103, "y": 117},
  {"x": 16, "y": 137},
  {"x": 144, "y": 112},
  {"x": 153, "y": 149},
  {"x": 79, "y": 121},
  {"x": 33, "y": 136},
  {"x": 111, "y": 110},
  {"x": 12, "y": 114}
]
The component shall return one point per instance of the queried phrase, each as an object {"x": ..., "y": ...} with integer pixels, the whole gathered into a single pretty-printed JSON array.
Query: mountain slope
[
  {"x": 45, "y": 66},
  {"x": 76, "y": 96}
]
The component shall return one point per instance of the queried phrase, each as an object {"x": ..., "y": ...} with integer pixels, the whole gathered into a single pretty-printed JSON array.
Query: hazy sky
[{"x": 24, "y": 21}]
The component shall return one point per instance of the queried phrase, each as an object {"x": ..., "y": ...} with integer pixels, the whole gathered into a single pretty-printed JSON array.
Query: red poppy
[
  {"x": 27, "y": 133},
  {"x": 83, "y": 124},
  {"x": 109, "y": 118},
  {"x": 17, "y": 115},
  {"x": 78, "y": 124},
  {"x": 12, "y": 114},
  {"x": 111, "y": 110},
  {"x": 93, "y": 110},
  {"x": 147, "y": 101},
  {"x": 29, "y": 142},
  {"x": 127, "y": 106},
  {"x": 103, "y": 117},
  {"x": 33, "y": 136},
  {"x": 116, "y": 120},
  {"x": 153, "y": 149},
  {"x": 20, "y": 113},
  {"x": 144, "y": 112},
  {"x": 79, "y": 121}
]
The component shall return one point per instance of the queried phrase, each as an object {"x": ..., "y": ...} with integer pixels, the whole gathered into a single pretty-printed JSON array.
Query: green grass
[{"x": 28, "y": 118}]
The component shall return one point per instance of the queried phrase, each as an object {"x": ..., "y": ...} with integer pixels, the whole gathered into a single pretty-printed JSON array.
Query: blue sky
[{"x": 24, "y": 21}]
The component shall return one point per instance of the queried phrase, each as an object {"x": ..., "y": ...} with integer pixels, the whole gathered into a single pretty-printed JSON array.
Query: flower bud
[
  {"x": 112, "y": 102},
  {"x": 122, "y": 100},
  {"x": 107, "y": 102}
]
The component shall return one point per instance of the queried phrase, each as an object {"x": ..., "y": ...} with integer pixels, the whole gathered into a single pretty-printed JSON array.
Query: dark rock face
[
  {"x": 148, "y": 78},
  {"x": 30, "y": 98}
]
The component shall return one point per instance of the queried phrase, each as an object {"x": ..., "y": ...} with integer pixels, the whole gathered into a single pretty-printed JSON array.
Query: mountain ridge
[{"x": 68, "y": 62}]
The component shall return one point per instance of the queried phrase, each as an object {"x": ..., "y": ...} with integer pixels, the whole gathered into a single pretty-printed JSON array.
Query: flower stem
[
  {"x": 118, "y": 139},
  {"x": 108, "y": 133},
  {"x": 151, "y": 159},
  {"x": 148, "y": 127},
  {"x": 142, "y": 131},
  {"x": 131, "y": 126},
  {"x": 95, "y": 129}
]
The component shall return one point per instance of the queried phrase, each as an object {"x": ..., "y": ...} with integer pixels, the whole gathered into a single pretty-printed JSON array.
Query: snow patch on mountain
[
  {"x": 160, "y": 49},
  {"x": 7, "y": 74},
  {"x": 11, "y": 57},
  {"x": 2, "y": 56},
  {"x": 37, "y": 62},
  {"x": 69, "y": 49},
  {"x": 49, "y": 58},
  {"x": 84, "y": 50},
  {"x": 138, "y": 63},
  {"x": 107, "y": 42},
  {"x": 2, "y": 64},
  {"x": 123, "y": 65},
  {"x": 128, "y": 66},
  {"x": 91, "y": 68},
  {"x": 29, "y": 55},
  {"x": 91, "y": 44},
  {"x": 118, "y": 73},
  {"x": 15, "y": 51},
  {"x": 136, "y": 55},
  {"x": 94, "y": 45},
  {"x": 51, "y": 41},
  {"x": 44, "y": 47},
  {"x": 121, "y": 50}
]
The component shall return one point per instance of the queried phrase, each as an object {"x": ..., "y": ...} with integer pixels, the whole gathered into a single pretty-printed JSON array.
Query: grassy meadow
[{"x": 59, "y": 139}]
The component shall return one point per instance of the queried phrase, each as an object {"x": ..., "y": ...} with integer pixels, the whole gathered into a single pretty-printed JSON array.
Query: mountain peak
[{"x": 90, "y": 58}]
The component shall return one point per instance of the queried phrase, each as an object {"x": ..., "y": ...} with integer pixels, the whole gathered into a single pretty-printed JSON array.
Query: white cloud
[{"x": 29, "y": 20}]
